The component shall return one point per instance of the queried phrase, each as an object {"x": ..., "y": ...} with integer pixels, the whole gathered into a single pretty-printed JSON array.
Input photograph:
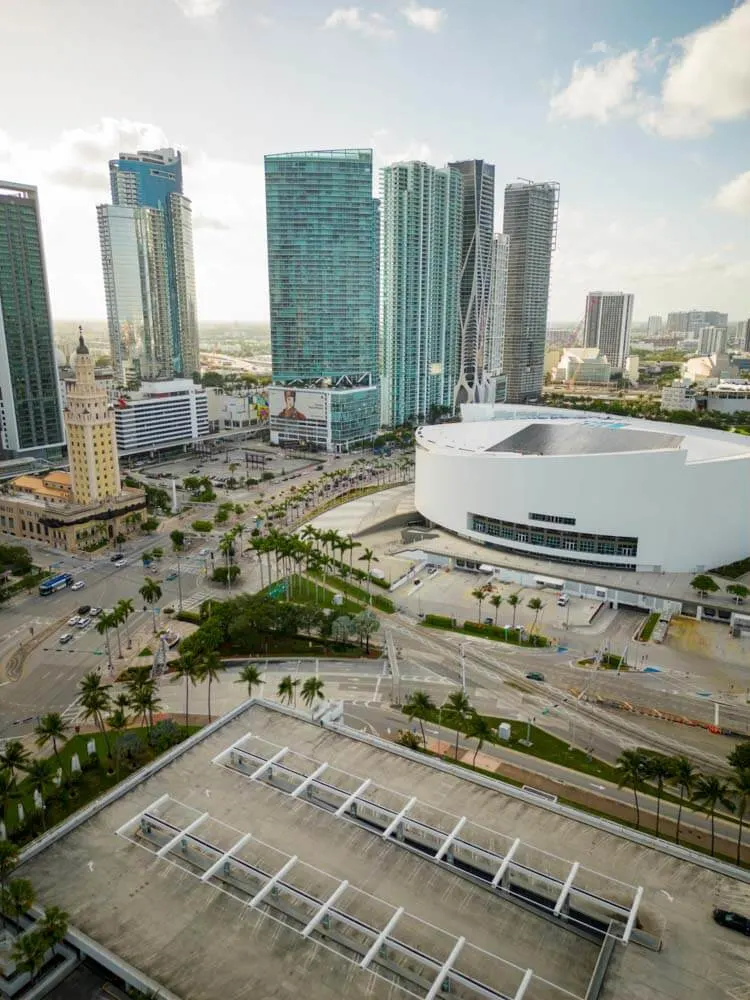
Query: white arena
[{"x": 591, "y": 489}]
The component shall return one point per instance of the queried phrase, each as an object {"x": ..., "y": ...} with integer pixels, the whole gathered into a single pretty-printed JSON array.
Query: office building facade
[
  {"x": 322, "y": 225},
  {"x": 161, "y": 414},
  {"x": 530, "y": 222},
  {"x": 607, "y": 325},
  {"x": 30, "y": 415},
  {"x": 146, "y": 241},
  {"x": 493, "y": 346},
  {"x": 478, "y": 186},
  {"x": 421, "y": 251}
]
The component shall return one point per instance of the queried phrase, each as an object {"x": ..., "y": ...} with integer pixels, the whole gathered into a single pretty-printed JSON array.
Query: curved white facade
[{"x": 594, "y": 490}]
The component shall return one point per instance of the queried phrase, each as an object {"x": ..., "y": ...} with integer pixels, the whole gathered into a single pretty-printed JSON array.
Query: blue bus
[{"x": 54, "y": 583}]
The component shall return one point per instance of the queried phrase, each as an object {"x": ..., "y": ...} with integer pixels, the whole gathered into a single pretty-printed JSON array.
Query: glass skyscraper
[
  {"x": 30, "y": 418},
  {"x": 530, "y": 222},
  {"x": 476, "y": 278},
  {"x": 322, "y": 224},
  {"x": 146, "y": 240},
  {"x": 420, "y": 275}
]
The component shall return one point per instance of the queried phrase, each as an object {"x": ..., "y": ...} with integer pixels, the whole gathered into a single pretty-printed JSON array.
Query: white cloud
[
  {"x": 199, "y": 8},
  {"x": 707, "y": 82},
  {"x": 352, "y": 18},
  {"x": 734, "y": 196},
  {"x": 602, "y": 92},
  {"x": 424, "y": 18}
]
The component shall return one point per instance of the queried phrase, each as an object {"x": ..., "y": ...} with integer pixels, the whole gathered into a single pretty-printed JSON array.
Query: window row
[{"x": 552, "y": 538}]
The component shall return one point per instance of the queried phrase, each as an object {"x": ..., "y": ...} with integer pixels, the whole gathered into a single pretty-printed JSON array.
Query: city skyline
[{"x": 656, "y": 97}]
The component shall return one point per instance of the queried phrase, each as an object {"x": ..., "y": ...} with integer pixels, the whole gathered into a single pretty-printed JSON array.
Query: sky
[{"x": 640, "y": 110}]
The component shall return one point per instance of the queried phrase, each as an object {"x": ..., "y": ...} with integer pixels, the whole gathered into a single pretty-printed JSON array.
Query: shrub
[
  {"x": 202, "y": 526},
  {"x": 188, "y": 616},
  {"x": 146, "y": 651},
  {"x": 165, "y": 734},
  {"x": 266, "y": 476},
  {"x": 219, "y": 575},
  {"x": 440, "y": 621}
]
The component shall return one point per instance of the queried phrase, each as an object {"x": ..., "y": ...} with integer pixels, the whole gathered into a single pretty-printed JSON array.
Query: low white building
[
  {"x": 582, "y": 366},
  {"x": 704, "y": 369},
  {"x": 174, "y": 411},
  {"x": 632, "y": 370},
  {"x": 678, "y": 396},
  {"x": 729, "y": 397}
]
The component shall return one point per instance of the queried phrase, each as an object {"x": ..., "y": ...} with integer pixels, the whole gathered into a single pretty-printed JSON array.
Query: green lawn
[
  {"x": 649, "y": 626},
  {"x": 303, "y": 591},
  {"x": 494, "y": 632},
  {"x": 359, "y": 593}
]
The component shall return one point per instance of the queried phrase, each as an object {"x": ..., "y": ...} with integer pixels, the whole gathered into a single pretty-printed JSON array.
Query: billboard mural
[{"x": 297, "y": 404}]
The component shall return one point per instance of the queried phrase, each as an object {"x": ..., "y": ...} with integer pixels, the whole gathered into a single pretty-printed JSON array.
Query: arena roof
[
  {"x": 272, "y": 857},
  {"x": 581, "y": 439}
]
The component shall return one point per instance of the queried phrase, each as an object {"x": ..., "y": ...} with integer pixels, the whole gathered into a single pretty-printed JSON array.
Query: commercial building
[
  {"x": 607, "y": 325},
  {"x": 421, "y": 286},
  {"x": 712, "y": 340},
  {"x": 678, "y": 396},
  {"x": 533, "y": 482},
  {"x": 271, "y": 856},
  {"x": 530, "y": 222},
  {"x": 710, "y": 370},
  {"x": 159, "y": 415},
  {"x": 728, "y": 396},
  {"x": 30, "y": 416},
  {"x": 322, "y": 224},
  {"x": 476, "y": 277},
  {"x": 229, "y": 411},
  {"x": 582, "y": 366},
  {"x": 632, "y": 369},
  {"x": 495, "y": 379},
  {"x": 146, "y": 239},
  {"x": 87, "y": 507}
]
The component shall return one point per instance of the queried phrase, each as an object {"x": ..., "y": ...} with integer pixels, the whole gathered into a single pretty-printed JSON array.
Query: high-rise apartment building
[
  {"x": 477, "y": 227},
  {"x": 146, "y": 239},
  {"x": 745, "y": 336},
  {"x": 421, "y": 257},
  {"x": 30, "y": 418},
  {"x": 493, "y": 347},
  {"x": 653, "y": 328},
  {"x": 712, "y": 340},
  {"x": 692, "y": 321},
  {"x": 607, "y": 325},
  {"x": 530, "y": 222},
  {"x": 322, "y": 224}
]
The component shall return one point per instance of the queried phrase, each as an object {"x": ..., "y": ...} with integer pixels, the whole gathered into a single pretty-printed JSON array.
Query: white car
[
  {"x": 78, "y": 585},
  {"x": 204, "y": 552},
  {"x": 84, "y": 622},
  {"x": 74, "y": 620},
  {"x": 119, "y": 563},
  {"x": 65, "y": 637}
]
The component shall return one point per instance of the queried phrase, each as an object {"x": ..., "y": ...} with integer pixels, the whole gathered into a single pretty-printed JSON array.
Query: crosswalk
[{"x": 195, "y": 600}]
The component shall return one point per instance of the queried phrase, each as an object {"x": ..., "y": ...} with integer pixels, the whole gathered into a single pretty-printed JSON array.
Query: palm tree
[
  {"x": 151, "y": 593},
  {"x": 496, "y": 600},
  {"x": 145, "y": 702},
  {"x": 420, "y": 706},
  {"x": 479, "y": 595},
  {"x": 741, "y": 787},
  {"x": 312, "y": 691},
  {"x": 251, "y": 676},
  {"x": 459, "y": 708},
  {"x": 18, "y": 898},
  {"x": 29, "y": 952},
  {"x": 186, "y": 669},
  {"x": 54, "y": 925},
  {"x": 118, "y": 723},
  {"x": 536, "y": 606},
  {"x": 41, "y": 777},
  {"x": 8, "y": 862},
  {"x": 95, "y": 701},
  {"x": 658, "y": 769},
  {"x": 633, "y": 765},
  {"x": 481, "y": 731},
  {"x": 50, "y": 729},
  {"x": 124, "y": 609},
  {"x": 209, "y": 668},
  {"x": 514, "y": 600},
  {"x": 287, "y": 689},
  {"x": 103, "y": 625},
  {"x": 178, "y": 544},
  {"x": 9, "y": 792},
  {"x": 115, "y": 621},
  {"x": 684, "y": 776},
  {"x": 14, "y": 757},
  {"x": 710, "y": 792},
  {"x": 369, "y": 557}
]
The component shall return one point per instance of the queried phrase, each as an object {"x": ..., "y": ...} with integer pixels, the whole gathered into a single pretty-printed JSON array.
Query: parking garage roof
[{"x": 159, "y": 894}]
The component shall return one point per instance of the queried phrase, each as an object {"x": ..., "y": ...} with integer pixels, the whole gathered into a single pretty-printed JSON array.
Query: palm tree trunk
[
  {"x": 424, "y": 744},
  {"x": 119, "y": 643},
  {"x": 637, "y": 809},
  {"x": 187, "y": 697},
  {"x": 209, "y": 699},
  {"x": 679, "y": 818},
  {"x": 458, "y": 733},
  {"x": 658, "y": 809},
  {"x": 739, "y": 840},
  {"x": 103, "y": 728},
  {"x": 713, "y": 811},
  {"x": 153, "y": 612}
]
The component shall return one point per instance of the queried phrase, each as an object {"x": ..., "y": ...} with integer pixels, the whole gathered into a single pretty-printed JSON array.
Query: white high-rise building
[
  {"x": 712, "y": 340},
  {"x": 607, "y": 325},
  {"x": 654, "y": 326},
  {"x": 493, "y": 346}
]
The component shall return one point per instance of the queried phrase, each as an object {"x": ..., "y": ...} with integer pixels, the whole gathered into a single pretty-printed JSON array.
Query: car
[
  {"x": 563, "y": 600},
  {"x": 74, "y": 620},
  {"x": 65, "y": 637},
  {"x": 170, "y": 576},
  {"x": 534, "y": 675},
  {"x": 117, "y": 556},
  {"x": 95, "y": 612},
  {"x": 735, "y": 921},
  {"x": 120, "y": 563},
  {"x": 489, "y": 620},
  {"x": 204, "y": 552},
  {"x": 78, "y": 585},
  {"x": 84, "y": 622}
]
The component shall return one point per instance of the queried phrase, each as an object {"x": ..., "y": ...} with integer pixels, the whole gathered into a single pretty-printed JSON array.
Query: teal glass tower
[
  {"x": 322, "y": 223},
  {"x": 30, "y": 418}
]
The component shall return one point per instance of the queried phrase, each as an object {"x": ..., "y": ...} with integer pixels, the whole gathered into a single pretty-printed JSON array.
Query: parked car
[
  {"x": 84, "y": 622},
  {"x": 116, "y": 557},
  {"x": 65, "y": 637},
  {"x": 120, "y": 563},
  {"x": 735, "y": 921},
  {"x": 95, "y": 612},
  {"x": 534, "y": 675},
  {"x": 171, "y": 576},
  {"x": 563, "y": 600},
  {"x": 74, "y": 620},
  {"x": 204, "y": 552},
  {"x": 78, "y": 585},
  {"x": 489, "y": 620},
  {"x": 84, "y": 609}
]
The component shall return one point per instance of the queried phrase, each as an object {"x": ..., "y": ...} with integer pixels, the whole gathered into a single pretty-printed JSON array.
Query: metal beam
[
  {"x": 506, "y": 863},
  {"x": 163, "y": 851},
  {"x": 347, "y": 803},
  {"x": 381, "y": 938},
  {"x": 444, "y": 847},
  {"x": 308, "y": 780},
  {"x": 228, "y": 751},
  {"x": 521, "y": 991},
  {"x": 632, "y": 915},
  {"x": 268, "y": 763},
  {"x": 336, "y": 894},
  {"x": 137, "y": 818},
  {"x": 398, "y": 817},
  {"x": 264, "y": 890},
  {"x": 446, "y": 968},
  {"x": 566, "y": 888},
  {"x": 209, "y": 872}
]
